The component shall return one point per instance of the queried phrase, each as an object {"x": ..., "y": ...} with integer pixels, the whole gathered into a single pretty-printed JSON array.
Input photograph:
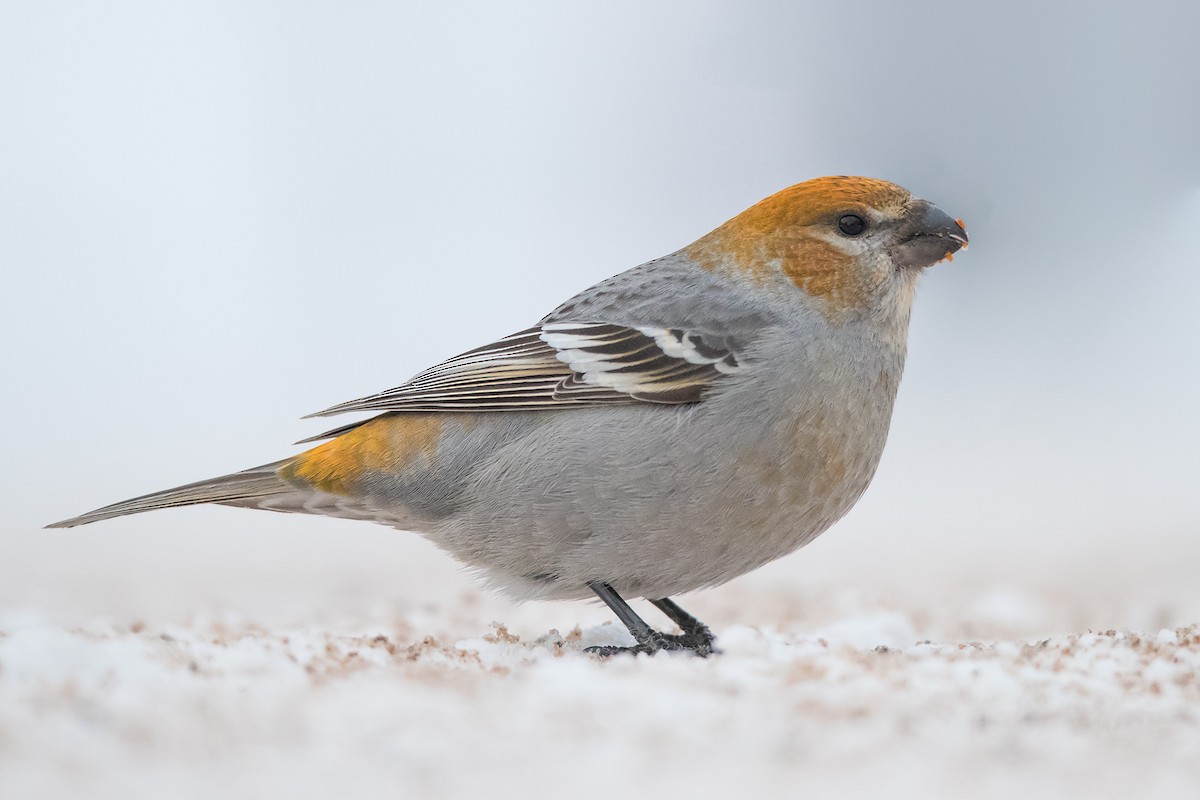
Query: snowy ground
[{"x": 839, "y": 695}]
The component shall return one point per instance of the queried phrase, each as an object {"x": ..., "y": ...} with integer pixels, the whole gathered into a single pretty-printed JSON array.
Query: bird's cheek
[{"x": 821, "y": 269}]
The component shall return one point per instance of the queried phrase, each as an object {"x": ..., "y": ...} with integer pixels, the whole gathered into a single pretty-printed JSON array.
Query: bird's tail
[{"x": 259, "y": 487}]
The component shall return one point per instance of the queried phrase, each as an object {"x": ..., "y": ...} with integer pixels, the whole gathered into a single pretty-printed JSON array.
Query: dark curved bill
[{"x": 928, "y": 236}]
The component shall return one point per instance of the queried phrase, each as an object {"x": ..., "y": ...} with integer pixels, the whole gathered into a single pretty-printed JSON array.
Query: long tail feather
[{"x": 239, "y": 488}]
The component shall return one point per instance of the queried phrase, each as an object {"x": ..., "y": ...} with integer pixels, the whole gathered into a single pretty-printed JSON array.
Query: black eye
[{"x": 851, "y": 224}]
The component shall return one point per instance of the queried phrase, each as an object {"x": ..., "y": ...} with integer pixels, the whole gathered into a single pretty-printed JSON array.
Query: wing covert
[{"x": 566, "y": 364}]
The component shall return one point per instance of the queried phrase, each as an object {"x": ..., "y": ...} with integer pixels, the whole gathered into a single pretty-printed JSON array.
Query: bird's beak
[{"x": 927, "y": 236}]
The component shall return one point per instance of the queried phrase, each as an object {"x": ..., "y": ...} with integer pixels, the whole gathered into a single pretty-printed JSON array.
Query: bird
[{"x": 667, "y": 430}]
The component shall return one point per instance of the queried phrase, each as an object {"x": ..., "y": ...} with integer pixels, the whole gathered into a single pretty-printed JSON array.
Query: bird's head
[{"x": 851, "y": 245}]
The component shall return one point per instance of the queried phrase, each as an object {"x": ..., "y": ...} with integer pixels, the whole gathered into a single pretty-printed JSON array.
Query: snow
[{"x": 854, "y": 698}]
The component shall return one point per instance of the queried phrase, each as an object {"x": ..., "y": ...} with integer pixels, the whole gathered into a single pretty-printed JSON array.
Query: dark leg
[{"x": 696, "y": 638}]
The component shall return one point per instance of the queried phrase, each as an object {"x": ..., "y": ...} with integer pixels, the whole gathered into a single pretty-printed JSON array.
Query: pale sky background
[{"x": 217, "y": 217}]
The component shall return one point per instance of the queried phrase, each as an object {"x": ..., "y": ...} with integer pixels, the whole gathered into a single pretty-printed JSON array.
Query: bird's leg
[
  {"x": 696, "y": 635},
  {"x": 696, "y": 639}
]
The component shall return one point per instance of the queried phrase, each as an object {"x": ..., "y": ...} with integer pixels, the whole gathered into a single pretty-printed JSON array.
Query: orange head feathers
[{"x": 840, "y": 239}]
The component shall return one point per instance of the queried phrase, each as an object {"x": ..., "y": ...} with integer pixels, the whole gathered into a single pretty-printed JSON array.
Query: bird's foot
[
  {"x": 700, "y": 641},
  {"x": 695, "y": 639},
  {"x": 696, "y": 643}
]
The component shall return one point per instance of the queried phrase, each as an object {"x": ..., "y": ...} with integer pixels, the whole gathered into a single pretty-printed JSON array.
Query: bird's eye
[{"x": 851, "y": 224}]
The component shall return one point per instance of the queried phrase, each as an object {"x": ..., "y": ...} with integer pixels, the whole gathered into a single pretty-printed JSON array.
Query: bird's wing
[{"x": 564, "y": 365}]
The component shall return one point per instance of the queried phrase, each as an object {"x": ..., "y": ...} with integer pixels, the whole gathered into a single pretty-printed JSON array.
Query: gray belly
[{"x": 661, "y": 500}]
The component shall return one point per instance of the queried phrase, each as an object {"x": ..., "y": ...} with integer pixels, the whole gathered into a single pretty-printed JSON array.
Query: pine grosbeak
[{"x": 668, "y": 429}]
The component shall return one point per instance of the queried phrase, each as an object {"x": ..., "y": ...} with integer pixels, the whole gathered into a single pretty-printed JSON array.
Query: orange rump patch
[{"x": 387, "y": 443}]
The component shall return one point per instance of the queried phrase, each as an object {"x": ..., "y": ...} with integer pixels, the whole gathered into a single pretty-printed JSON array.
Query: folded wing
[{"x": 565, "y": 364}]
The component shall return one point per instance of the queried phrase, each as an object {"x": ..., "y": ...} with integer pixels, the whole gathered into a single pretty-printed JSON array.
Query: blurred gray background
[{"x": 216, "y": 217}]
